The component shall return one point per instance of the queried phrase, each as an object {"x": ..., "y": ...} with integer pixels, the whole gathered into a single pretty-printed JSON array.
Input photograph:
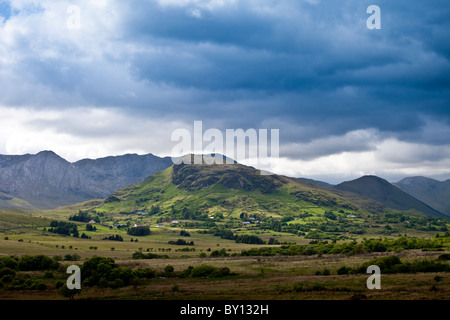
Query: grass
[{"x": 284, "y": 278}]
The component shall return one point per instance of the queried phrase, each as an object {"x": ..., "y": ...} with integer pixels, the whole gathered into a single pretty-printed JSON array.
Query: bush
[
  {"x": 25, "y": 282},
  {"x": 168, "y": 270},
  {"x": 184, "y": 233},
  {"x": 68, "y": 293},
  {"x": 7, "y": 271},
  {"x": 343, "y": 270},
  {"x": 39, "y": 262},
  {"x": 444, "y": 257},
  {"x": 6, "y": 279},
  {"x": 141, "y": 255},
  {"x": 207, "y": 271},
  {"x": 392, "y": 264},
  {"x": 219, "y": 253},
  {"x": 115, "y": 237},
  {"x": 386, "y": 264},
  {"x": 8, "y": 262},
  {"x": 104, "y": 272},
  {"x": 59, "y": 284},
  {"x": 146, "y": 273},
  {"x": 72, "y": 257},
  {"x": 139, "y": 231},
  {"x": 181, "y": 242}
]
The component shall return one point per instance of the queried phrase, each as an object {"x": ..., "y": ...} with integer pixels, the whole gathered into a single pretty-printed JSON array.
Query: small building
[
  {"x": 174, "y": 222},
  {"x": 92, "y": 222},
  {"x": 137, "y": 225}
]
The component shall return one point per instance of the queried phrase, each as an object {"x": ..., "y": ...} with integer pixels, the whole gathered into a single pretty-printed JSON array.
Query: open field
[
  {"x": 266, "y": 278},
  {"x": 283, "y": 277}
]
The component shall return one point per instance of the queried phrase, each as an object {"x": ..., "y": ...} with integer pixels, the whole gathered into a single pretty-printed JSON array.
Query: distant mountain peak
[
  {"x": 433, "y": 192},
  {"x": 386, "y": 193},
  {"x": 47, "y": 180}
]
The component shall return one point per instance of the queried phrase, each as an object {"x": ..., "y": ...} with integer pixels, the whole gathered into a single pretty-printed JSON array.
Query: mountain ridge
[
  {"x": 433, "y": 192},
  {"x": 386, "y": 193},
  {"x": 46, "y": 180}
]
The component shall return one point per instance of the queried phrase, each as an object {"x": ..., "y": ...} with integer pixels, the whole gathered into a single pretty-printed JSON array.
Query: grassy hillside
[
  {"x": 9, "y": 202},
  {"x": 228, "y": 190}
]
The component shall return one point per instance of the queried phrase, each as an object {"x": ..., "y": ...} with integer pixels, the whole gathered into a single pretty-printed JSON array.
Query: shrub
[
  {"x": 139, "y": 231},
  {"x": 8, "y": 262},
  {"x": 59, "y": 284},
  {"x": 141, "y": 255},
  {"x": 343, "y": 270},
  {"x": 72, "y": 257},
  {"x": 6, "y": 279},
  {"x": 25, "y": 282},
  {"x": 205, "y": 270},
  {"x": 184, "y": 233},
  {"x": 181, "y": 242},
  {"x": 386, "y": 264},
  {"x": 168, "y": 270},
  {"x": 444, "y": 257},
  {"x": 7, "y": 271},
  {"x": 67, "y": 293},
  {"x": 104, "y": 272},
  {"x": 39, "y": 262},
  {"x": 219, "y": 253},
  {"x": 146, "y": 273}
]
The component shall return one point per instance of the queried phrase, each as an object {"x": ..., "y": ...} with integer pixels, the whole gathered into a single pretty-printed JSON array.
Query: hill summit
[{"x": 386, "y": 193}]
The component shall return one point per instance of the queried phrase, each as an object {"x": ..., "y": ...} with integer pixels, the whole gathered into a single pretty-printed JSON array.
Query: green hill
[
  {"x": 226, "y": 189},
  {"x": 387, "y": 194}
]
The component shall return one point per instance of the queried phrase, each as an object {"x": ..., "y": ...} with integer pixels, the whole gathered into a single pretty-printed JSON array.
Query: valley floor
[{"x": 264, "y": 278}]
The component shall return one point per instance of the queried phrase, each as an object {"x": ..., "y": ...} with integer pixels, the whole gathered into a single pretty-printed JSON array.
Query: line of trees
[{"x": 64, "y": 228}]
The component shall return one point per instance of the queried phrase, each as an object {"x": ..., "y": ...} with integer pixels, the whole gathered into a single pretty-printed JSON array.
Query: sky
[{"x": 89, "y": 79}]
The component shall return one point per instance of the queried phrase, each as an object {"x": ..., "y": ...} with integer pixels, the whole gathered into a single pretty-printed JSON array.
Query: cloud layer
[{"x": 136, "y": 70}]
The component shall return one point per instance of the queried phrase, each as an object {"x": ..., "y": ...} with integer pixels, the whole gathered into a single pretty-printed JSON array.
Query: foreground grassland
[
  {"x": 308, "y": 273},
  {"x": 269, "y": 278}
]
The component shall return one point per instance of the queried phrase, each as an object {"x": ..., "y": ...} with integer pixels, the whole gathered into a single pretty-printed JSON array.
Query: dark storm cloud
[
  {"x": 310, "y": 67},
  {"x": 322, "y": 56}
]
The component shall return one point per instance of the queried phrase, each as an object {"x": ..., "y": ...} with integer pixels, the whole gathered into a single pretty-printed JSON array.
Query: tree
[
  {"x": 67, "y": 293},
  {"x": 139, "y": 231}
]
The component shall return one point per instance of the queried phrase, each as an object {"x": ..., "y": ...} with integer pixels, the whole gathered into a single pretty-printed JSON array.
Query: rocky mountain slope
[{"x": 46, "y": 180}]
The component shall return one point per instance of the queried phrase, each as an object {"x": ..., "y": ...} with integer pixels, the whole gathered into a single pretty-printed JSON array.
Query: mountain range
[
  {"x": 46, "y": 181},
  {"x": 433, "y": 192},
  {"x": 386, "y": 193}
]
